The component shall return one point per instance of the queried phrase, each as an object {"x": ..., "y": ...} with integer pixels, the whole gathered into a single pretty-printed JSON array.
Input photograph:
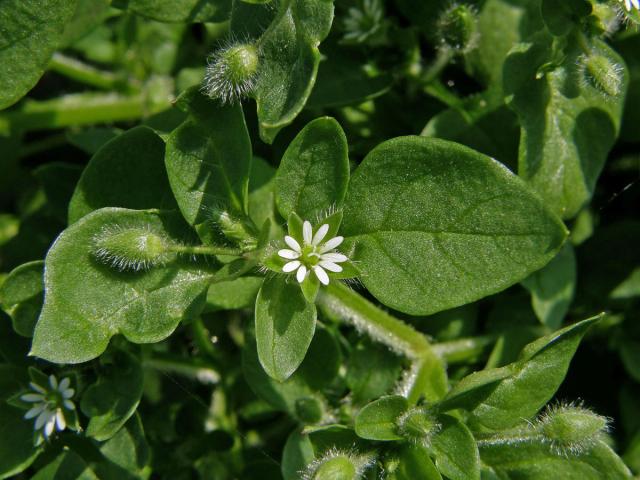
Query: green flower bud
[
  {"x": 231, "y": 72},
  {"x": 338, "y": 465},
  {"x": 417, "y": 425},
  {"x": 601, "y": 73},
  {"x": 571, "y": 428},
  {"x": 237, "y": 230},
  {"x": 309, "y": 410},
  {"x": 339, "y": 468},
  {"x": 457, "y": 28},
  {"x": 131, "y": 248}
]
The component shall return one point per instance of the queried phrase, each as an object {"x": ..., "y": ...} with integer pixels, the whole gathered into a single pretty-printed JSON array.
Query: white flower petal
[
  {"x": 293, "y": 243},
  {"x": 288, "y": 254},
  {"x": 35, "y": 411},
  {"x": 636, "y": 3},
  {"x": 61, "y": 423},
  {"x": 64, "y": 384},
  {"x": 321, "y": 274},
  {"x": 68, "y": 393},
  {"x": 43, "y": 418},
  {"x": 302, "y": 272},
  {"x": 32, "y": 397},
  {"x": 307, "y": 232},
  {"x": 334, "y": 257},
  {"x": 37, "y": 387},
  {"x": 51, "y": 424},
  {"x": 68, "y": 404},
  {"x": 320, "y": 234},
  {"x": 331, "y": 244},
  {"x": 291, "y": 266},
  {"x": 53, "y": 381},
  {"x": 332, "y": 267}
]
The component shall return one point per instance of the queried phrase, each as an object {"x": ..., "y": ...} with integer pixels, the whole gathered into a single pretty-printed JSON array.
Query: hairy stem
[
  {"x": 340, "y": 301},
  {"x": 464, "y": 349},
  {"x": 190, "y": 368},
  {"x": 426, "y": 375},
  {"x": 205, "y": 250}
]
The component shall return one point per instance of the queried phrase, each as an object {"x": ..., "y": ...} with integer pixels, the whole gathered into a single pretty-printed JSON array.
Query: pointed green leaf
[
  {"x": 436, "y": 225},
  {"x": 501, "y": 398}
]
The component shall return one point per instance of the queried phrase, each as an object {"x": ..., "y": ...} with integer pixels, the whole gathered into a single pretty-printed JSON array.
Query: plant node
[{"x": 417, "y": 425}]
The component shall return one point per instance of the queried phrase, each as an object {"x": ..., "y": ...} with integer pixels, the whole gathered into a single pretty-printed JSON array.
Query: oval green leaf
[
  {"x": 377, "y": 420},
  {"x": 436, "y": 225},
  {"x": 285, "y": 324},
  {"x": 314, "y": 171},
  {"x": 87, "y": 302}
]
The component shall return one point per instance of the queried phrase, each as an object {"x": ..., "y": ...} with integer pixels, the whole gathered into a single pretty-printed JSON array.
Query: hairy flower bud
[
  {"x": 417, "y": 425},
  {"x": 571, "y": 429},
  {"x": 457, "y": 28},
  {"x": 338, "y": 465},
  {"x": 236, "y": 229},
  {"x": 231, "y": 72},
  {"x": 131, "y": 248},
  {"x": 601, "y": 73}
]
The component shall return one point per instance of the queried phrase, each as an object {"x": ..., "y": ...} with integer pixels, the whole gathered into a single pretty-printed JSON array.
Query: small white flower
[
  {"x": 313, "y": 253},
  {"x": 629, "y": 4},
  {"x": 49, "y": 406}
]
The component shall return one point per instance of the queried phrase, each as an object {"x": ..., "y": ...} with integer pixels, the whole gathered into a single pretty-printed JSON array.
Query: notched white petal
[
  {"x": 320, "y": 234},
  {"x": 64, "y": 384},
  {"x": 293, "y": 243},
  {"x": 48, "y": 428},
  {"x": 68, "y": 393},
  {"x": 288, "y": 254},
  {"x": 37, "y": 387},
  {"x": 42, "y": 419},
  {"x": 334, "y": 257},
  {"x": 34, "y": 411},
  {"x": 32, "y": 397},
  {"x": 321, "y": 274},
  {"x": 307, "y": 232},
  {"x": 291, "y": 266},
  {"x": 68, "y": 404},
  {"x": 302, "y": 272},
  {"x": 332, "y": 267},
  {"x": 53, "y": 381},
  {"x": 331, "y": 244},
  {"x": 60, "y": 420}
]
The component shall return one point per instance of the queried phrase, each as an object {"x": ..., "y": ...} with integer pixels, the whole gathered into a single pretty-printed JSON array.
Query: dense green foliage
[{"x": 318, "y": 240}]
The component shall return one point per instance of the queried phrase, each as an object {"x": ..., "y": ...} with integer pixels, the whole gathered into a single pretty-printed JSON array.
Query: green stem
[
  {"x": 337, "y": 300},
  {"x": 83, "y": 73},
  {"x": 47, "y": 143},
  {"x": 191, "y": 368},
  {"x": 78, "y": 109},
  {"x": 464, "y": 349},
  {"x": 205, "y": 250},
  {"x": 443, "y": 58}
]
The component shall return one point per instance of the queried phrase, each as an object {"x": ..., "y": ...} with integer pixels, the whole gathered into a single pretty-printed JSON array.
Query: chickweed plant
[{"x": 319, "y": 239}]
